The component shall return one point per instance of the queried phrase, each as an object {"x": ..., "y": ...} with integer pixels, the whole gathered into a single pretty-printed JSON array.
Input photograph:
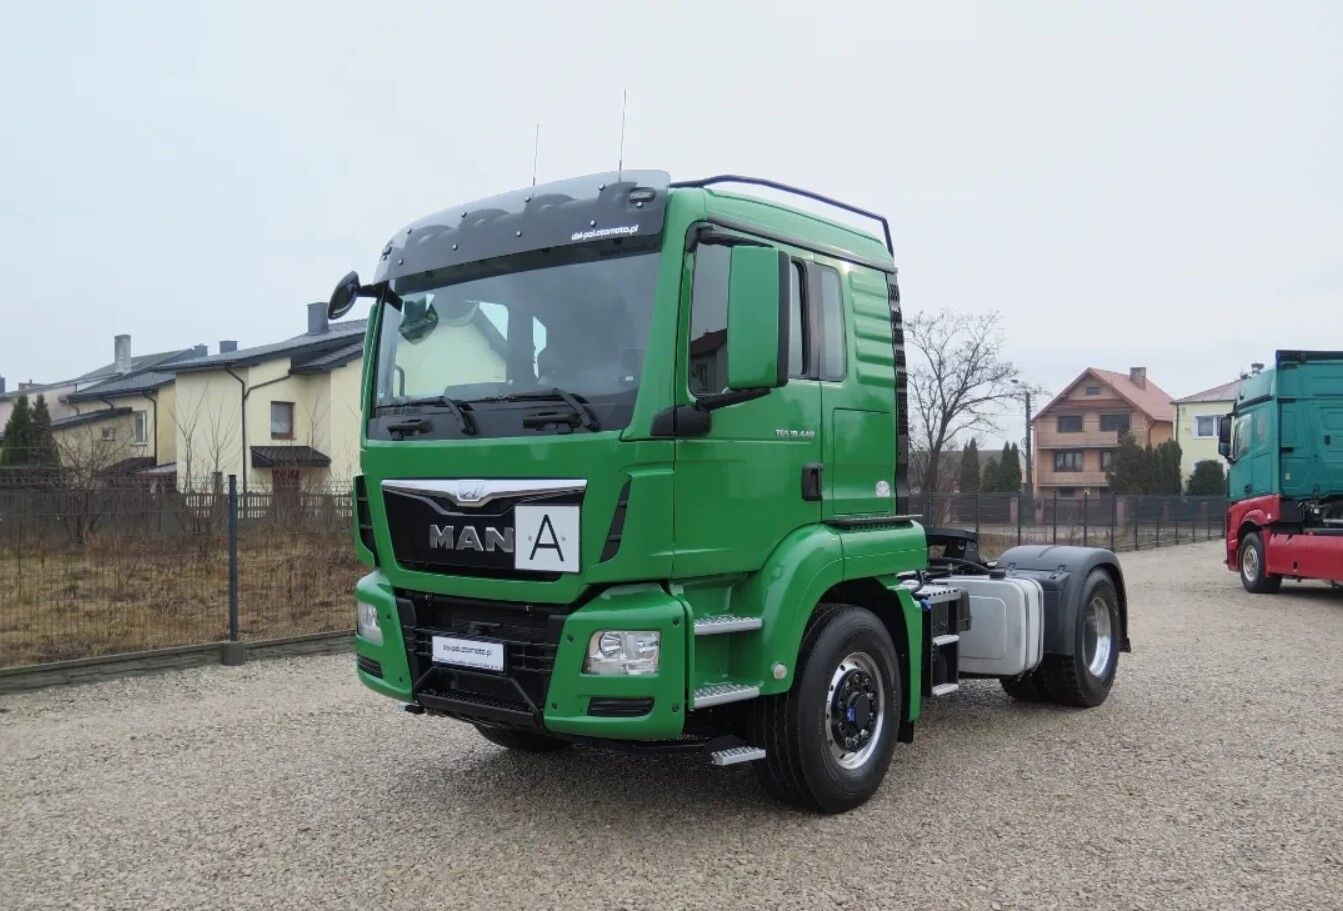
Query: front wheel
[
  {"x": 1254, "y": 574},
  {"x": 828, "y": 741}
]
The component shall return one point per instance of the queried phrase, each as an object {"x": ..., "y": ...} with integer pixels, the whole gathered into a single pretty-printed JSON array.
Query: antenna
[
  {"x": 624, "y": 101},
  {"x": 536, "y": 151}
]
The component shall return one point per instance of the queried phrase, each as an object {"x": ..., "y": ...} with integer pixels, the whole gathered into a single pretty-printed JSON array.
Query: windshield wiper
[
  {"x": 581, "y": 415},
  {"x": 453, "y": 406}
]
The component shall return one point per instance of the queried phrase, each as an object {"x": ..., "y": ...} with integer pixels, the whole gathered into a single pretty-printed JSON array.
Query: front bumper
[{"x": 543, "y": 686}]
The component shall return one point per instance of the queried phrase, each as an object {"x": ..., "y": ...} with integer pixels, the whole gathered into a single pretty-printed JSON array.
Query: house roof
[
  {"x": 128, "y": 384},
  {"x": 1149, "y": 398},
  {"x": 288, "y": 457},
  {"x": 322, "y": 361},
  {"x": 300, "y": 348},
  {"x": 89, "y": 417},
  {"x": 137, "y": 363},
  {"x": 1226, "y": 392}
]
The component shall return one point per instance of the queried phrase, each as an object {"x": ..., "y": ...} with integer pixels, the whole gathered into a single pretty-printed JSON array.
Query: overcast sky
[{"x": 1128, "y": 184}]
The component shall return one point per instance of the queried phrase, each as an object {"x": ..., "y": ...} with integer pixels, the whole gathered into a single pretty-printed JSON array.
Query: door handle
[{"x": 811, "y": 481}]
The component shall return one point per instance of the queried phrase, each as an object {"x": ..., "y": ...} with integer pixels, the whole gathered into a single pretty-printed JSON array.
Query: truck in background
[
  {"x": 633, "y": 461},
  {"x": 1284, "y": 440}
]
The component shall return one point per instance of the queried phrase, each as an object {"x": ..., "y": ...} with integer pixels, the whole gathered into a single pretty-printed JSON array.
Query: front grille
[
  {"x": 530, "y": 634},
  {"x": 369, "y": 666}
]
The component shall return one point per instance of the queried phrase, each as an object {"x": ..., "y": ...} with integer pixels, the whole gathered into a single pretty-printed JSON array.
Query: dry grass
[{"x": 120, "y": 594}]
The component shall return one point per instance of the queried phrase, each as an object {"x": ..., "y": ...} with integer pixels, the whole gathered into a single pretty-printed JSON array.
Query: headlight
[
  {"x": 632, "y": 652},
  {"x": 367, "y": 623}
]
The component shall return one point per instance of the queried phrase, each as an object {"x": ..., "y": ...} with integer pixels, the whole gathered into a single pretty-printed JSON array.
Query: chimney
[
  {"x": 199, "y": 351},
  {"x": 317, "y": 324},
  {"x": 2, "y": 385},
  {"x": 121, "y": 351},
  {"x": 228, "y": 345},
  {"x": 1138, "y": 376}
]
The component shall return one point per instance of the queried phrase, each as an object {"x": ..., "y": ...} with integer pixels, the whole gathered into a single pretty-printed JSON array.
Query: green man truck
[
  {"x": 1284, "y": 440},
  {"x": 633, "y": 475}
]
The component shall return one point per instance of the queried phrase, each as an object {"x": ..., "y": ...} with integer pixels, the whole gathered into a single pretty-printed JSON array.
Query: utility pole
[{"x": 1030, "y": 455}]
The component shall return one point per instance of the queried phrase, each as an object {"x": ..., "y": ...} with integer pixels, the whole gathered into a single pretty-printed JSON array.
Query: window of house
[
  {"x": 833, "y": 347},
  {"x": 1068, "y": 460},
  {"x": 1093, "y": 390},
  {"x": 1067, "y": 491},
  {"x": 1070, "y": 423},
  {"x": 1118, "y": 423},
  {"x": 139, "y": 428},
  {"x": 282, "y": 420},
  {"x": 1205, "y": 425},
  {"x": 1108, "y": 458},
  {"x": 109, "y": 433}
]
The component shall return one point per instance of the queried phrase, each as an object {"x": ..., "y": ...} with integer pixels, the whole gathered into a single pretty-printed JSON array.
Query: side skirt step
[
  {"x": 721, "y": 693},
  {"x": 944, "y": 689},
  {"x": 734, "y": 755},
  {"x": 712, "y": 626}
]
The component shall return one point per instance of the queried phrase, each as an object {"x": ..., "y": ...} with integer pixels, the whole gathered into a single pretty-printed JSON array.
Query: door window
[
  {"x": 833, "y": 347},
  {"x": 708, "y": 321}
]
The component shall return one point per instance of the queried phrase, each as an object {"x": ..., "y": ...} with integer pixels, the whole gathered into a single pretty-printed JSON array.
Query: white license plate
[{"x": 477, "y": 653}]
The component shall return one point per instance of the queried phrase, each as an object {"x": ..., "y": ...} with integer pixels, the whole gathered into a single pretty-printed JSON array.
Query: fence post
[
  {"x": 233, "y": 652},
  {"x": 976, "y": 514},
  {"x": 1056, "y": 516},
  {"x": 1114, "y": 518},
  {"x": 1019, "y": 509},
  {"x": 1086, "y": 497},
  {"x": 1175, "y": 520},
  {"x": 1133, "y": 509},
  {"x": 1158, "y": 526}
]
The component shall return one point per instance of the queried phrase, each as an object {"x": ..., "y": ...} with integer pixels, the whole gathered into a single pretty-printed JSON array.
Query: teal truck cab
[
  {"x": 1284, "y": 440},
  {"x": 633, "y": 474}
]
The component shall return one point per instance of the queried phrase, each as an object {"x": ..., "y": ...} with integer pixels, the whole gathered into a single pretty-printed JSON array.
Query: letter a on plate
[{"x": 546, "y": 538}]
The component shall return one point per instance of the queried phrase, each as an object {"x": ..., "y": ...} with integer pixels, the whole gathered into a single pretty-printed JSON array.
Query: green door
[{"x": 739, "y": 488}]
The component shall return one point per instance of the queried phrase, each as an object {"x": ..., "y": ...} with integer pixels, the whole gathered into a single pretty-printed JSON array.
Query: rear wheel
[
  {"x": 1084, "y": 678},
  {"x": 1254, "y": 574},
  {"x": 1029, "y": 687},
  {"x": 828, "y": 741},
  {"x": 523, "y": 741}
]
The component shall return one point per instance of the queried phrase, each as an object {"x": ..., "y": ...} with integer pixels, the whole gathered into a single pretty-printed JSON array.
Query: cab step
[
  {"x": 945, "y": 689},
  {"x": 721, "y": 693},
  {"x": 945, "y": 639},
  {"x": 734, "y": 755},
  {"x": 712, "y": 626}
]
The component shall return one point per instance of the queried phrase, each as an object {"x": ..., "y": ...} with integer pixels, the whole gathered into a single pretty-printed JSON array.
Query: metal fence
[
  {"x": 1117, "y": 522},
  {"x": 105, "y": 571}
]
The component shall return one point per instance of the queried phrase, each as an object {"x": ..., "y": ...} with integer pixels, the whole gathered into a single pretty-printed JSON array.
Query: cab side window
[
  {"x": 833, "y": 346},
  {"x": 708, "y": 321},
  {"x": 1240, "y": 436}
]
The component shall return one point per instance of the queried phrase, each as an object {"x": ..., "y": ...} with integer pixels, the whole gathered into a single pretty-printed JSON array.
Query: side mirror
[
  {"x": 343, "y": 298},
  {"x": 757, "y": 318},
  {"x": 1224, "y": 437}
]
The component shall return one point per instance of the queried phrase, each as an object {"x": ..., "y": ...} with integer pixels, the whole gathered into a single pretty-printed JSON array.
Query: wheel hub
[{"x": 855, "y": 710}]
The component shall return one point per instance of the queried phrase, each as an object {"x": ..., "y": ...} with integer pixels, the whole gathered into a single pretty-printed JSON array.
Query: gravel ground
[{"x": 1210, "y": 779}]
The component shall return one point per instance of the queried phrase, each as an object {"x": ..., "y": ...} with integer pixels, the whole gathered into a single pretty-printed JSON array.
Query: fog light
[
  {"x": 367, "y": 623},
  {"x": 633, "y": 652}
]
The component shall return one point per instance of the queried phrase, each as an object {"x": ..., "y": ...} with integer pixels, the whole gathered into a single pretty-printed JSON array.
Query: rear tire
[
  {"x": 1084, "y": 678},
  {"x": 522, "y": 741},
  {"x": 1254, "y": 574},
  {"x": 828, "y": 740}
]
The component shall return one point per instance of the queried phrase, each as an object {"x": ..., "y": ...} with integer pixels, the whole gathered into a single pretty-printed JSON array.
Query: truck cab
[
  {"x": 1284, "y": 441},
  {"x": 633, "y": 472}
]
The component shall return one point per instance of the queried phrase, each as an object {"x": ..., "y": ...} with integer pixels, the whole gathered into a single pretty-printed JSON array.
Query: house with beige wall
[
  {"x": 282, "y": 416},
  {"x": 1078, "y": 432},
  {"x": 1196, "y": 419}
]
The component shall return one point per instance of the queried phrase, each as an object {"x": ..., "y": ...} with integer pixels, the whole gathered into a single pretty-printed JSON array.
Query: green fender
[{"x": 805, "y": 566}]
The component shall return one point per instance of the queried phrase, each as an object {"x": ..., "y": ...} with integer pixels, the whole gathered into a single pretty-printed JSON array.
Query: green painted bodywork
[
  {"x": 715, "y": 524},
  {"x": 1288, "y": 436}
]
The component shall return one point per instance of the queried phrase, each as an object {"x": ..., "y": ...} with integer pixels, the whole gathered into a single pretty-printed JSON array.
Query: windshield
[{"x": 526, "y": 327}]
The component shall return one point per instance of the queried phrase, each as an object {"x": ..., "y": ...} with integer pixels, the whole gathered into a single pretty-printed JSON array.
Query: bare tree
[{"x": 958, "y": 381}]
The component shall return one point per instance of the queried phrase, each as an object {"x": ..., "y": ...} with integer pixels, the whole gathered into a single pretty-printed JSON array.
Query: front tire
[
  {"x": 1084, "y": 678},
  {"x": 1254, "y": 574},
  {"x": 522, "y": 741},
  {"x": 828, "y": 741}
]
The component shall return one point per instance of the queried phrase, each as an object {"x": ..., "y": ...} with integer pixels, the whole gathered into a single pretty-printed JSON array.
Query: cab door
[{"x": 755, "y": 474}]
